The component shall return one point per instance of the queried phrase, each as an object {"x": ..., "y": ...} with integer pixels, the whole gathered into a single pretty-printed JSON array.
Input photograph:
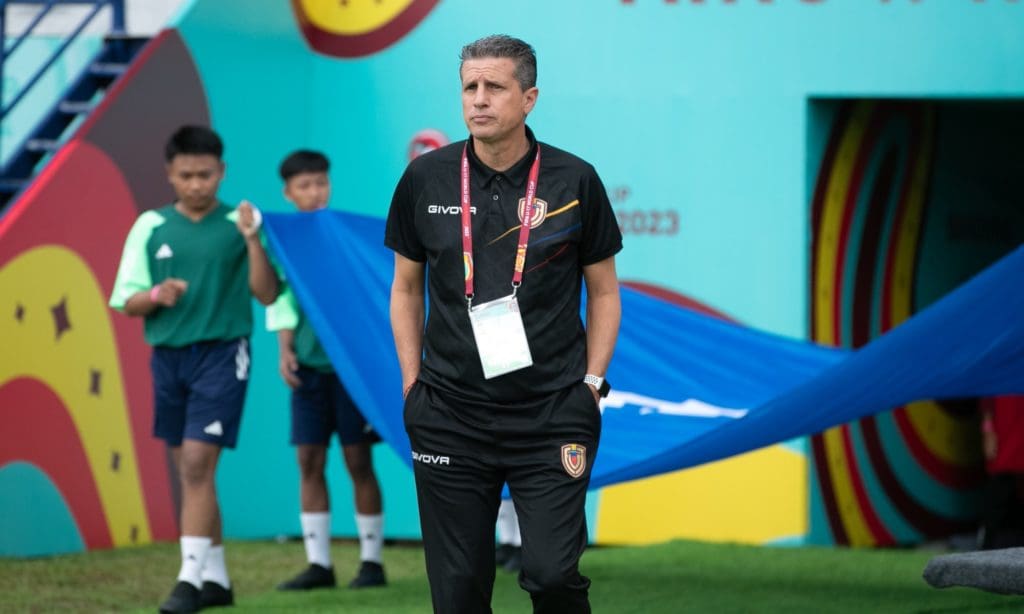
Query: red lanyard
[{"x": 524, "y": 230}]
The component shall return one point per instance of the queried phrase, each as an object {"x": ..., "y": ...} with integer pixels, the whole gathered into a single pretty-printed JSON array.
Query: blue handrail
[
  {"x": 117, "y": 26},
  {"x": 28, "y": 30}
]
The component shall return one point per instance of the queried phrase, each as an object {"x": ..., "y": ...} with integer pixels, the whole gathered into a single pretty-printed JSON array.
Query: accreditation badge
[{"x": 500, "y": 336}]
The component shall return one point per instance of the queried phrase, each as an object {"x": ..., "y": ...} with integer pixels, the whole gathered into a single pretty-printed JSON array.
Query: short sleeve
[
  {"x": 133, "y": 274},
  {"x": 283, "y": 314},
  {"x": 601, "y": 235},
  {"x": 400, "y": 232}
]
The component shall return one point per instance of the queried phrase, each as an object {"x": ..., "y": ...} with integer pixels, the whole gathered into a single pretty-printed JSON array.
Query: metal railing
[{"x": 116, "y": 27}]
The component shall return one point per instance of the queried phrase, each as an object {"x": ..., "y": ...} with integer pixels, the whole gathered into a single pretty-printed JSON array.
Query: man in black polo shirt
[{"x": 503, "y": 382}]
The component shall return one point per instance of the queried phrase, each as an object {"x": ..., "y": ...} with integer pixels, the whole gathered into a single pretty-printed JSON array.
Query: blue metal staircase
[{"x": 81, "y": 95}]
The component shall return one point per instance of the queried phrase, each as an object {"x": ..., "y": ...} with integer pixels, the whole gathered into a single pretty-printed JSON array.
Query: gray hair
[{"x": 504, "y": 46}]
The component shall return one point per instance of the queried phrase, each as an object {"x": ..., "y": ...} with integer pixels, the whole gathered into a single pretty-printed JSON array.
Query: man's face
[
  {"x": 494, "y": 105},
  {"x": 195, "y": 179},
  {"x": 308, "y": 191}
]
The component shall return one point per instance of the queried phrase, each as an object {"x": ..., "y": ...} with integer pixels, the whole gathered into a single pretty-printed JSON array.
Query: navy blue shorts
[
  {"x": 199, "y": 391},
  {"x": 321, "y": 406}
]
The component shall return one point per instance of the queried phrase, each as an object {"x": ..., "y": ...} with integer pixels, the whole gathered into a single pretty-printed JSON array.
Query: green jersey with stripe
[
  {"x": 209, "y": 254},
  {"x": 283, "y": 314}
]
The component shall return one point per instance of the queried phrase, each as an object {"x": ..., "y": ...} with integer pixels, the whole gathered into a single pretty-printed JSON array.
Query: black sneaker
[
  {"x": 514, "y": 562},
  {"x": 314, "y": 576},
  {"x": 183, "y": 598},
  {"x": 214, "y": 595},
  {"x": 370, "y": 574},
  {"x": 501, "y": 554}
]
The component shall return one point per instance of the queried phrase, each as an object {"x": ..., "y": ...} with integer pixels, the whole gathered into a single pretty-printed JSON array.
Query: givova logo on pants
[{"x": 430, "y": 459}]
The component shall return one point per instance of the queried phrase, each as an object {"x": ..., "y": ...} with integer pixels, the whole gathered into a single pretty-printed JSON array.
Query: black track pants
[{"x": 463, "y": 453}]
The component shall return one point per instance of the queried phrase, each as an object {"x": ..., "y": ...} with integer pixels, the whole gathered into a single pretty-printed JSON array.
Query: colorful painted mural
[
  {"x": 75, "y": 394},
  {"x": 781, "y": 163},
  {"x": 914, "y": 473}
]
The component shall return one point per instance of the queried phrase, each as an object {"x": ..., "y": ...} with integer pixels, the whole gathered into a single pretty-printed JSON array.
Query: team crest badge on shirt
[
  {"x": 574, "y": 459},
  {"x": 540, "y": 211}
]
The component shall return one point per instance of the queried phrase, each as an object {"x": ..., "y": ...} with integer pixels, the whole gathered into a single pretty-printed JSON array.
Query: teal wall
[{"x": 698, "y": 110}]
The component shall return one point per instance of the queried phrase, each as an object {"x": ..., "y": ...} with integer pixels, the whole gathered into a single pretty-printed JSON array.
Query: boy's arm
[
  {"x": 134, "y": 293},
  {"x": 283, "y": 317},
  {"x": 288, "y": 364},
  {"x": 164, "y": 294},
  {"x": 407, "y": 312},
  {"x": 263, "y": 282}
]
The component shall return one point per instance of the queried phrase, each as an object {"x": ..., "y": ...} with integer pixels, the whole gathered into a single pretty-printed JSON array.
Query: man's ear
[{"x": 531, "y": 99}]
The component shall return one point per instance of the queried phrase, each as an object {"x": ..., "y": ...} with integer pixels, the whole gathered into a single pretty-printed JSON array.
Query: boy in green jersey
[
  {"x": 321, "y": 406},
  {"x": 189, "y": 269}
]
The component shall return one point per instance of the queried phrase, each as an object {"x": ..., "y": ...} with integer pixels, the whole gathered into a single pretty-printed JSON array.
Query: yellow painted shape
[
  {"x": 847, "y": 504},
  {"x": 942, "y": 434},
  {"x": 754, "y": 498},
  {"x": 38, "y": 280},
  {"x": 353, "y": 17},
  {"x": 833, "y": 208}
]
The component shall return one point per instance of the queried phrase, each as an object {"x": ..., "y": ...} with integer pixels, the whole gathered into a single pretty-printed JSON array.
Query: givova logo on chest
[{"x": 448, "y": 210}]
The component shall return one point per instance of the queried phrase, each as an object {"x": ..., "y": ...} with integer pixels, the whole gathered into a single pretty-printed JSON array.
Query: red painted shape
[
  {"x": 38, "y": 430},
  {"x": 356, "y": 45}
]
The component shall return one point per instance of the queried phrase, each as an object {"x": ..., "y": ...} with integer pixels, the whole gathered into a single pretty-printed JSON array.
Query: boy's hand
[
  {"x": 289, "y": 366},
  {"x": 249, "y": 220},
  {"x": 167, "y": 292}
]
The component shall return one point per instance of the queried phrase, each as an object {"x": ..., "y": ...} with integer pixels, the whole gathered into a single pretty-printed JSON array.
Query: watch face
[{"x": 604, "y": 389}]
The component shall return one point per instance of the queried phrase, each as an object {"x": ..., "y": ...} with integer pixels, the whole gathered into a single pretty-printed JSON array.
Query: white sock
[
  {"x": 193, "y": 556},
  {"x": 508, "y": 524},
  {"x": 316, "y": 533},
  {"x": 215, "y": 570},
  {"x": 371, "y": 536}
]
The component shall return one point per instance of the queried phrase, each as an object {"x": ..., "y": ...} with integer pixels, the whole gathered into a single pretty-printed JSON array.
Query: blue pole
[{"x": 117, "y": 20}]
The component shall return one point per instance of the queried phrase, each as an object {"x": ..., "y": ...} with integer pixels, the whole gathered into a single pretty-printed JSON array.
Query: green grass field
[{"x": 674, "y": 577}]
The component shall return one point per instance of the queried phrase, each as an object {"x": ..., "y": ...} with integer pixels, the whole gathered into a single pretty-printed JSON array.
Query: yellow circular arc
[
  {"x": 353, "y": 17},
  {"x": 825, "y": 326}
]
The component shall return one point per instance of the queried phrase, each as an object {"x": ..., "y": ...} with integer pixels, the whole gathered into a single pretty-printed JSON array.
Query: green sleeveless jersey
[{"x": 209, "y": 254}]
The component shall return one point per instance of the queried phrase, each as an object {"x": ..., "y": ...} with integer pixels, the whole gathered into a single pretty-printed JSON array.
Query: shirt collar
[{"x": 516, "y": 174}]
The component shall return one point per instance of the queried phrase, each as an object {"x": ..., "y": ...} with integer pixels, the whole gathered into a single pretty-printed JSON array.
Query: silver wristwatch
[{"x": 599, "y": 383}]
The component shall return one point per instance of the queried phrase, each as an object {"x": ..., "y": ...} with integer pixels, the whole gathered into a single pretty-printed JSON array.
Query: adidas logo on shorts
[{"x": 214, "y": 428}]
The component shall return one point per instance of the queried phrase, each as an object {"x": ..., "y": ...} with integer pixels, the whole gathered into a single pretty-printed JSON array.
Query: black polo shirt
[{"x": 577, "y": 227}]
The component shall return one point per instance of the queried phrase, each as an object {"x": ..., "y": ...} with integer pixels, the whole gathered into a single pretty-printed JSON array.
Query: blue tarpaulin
[{"x": 688, "y": 388}]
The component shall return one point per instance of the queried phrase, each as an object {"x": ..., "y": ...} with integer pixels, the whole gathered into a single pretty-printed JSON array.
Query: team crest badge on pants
[{"x": 574, "y": 459}]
